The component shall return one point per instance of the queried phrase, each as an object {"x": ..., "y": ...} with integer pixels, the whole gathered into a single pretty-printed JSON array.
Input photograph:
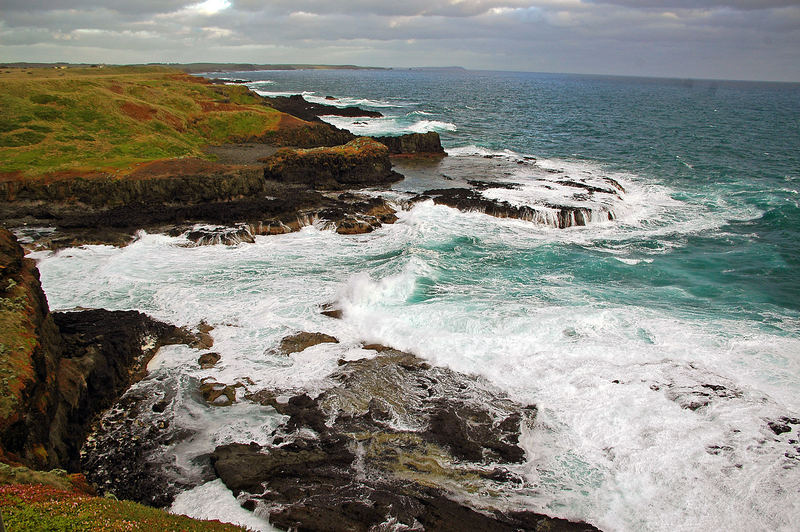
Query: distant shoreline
[{"x": 194, "y": 68}]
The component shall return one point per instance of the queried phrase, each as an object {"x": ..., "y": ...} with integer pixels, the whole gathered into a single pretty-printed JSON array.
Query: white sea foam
[
  {"x": 345, "y": 101},
  {"x": 270, "y": 94},
  {"x": 473, "y": 150},
  {"x": 388, "y": 125},
  {"x": 213, "y": 500},
  {"x": 313, "y": 97}
]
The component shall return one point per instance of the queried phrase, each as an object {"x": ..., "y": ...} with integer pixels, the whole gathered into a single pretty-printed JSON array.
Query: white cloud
[
  {"x": 716, "y": 38},
  {"x": 209, "y": 7}
]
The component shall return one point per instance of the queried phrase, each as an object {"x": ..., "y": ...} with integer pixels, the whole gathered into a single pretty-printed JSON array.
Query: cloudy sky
[{"x": 732, "y": 39}]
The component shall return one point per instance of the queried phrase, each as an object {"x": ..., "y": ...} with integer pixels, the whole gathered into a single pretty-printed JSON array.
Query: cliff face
[
  {"x": 30, "y": 350},
  {"x": 360, "y": 162},
  {"x": 176, "y": 181},
  {"x": 59, "y": 370},
  {"x": 414, "y": 143}
]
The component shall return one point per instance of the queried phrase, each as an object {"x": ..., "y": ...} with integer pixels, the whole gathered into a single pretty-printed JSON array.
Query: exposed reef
[
  {"x": 298, "y": 106},
  {"x": 414, "y": 144},
  {"x": 391, "y": 439},
  {"x": 394, "y": 441},
  {"x": 557, "y": 215}
]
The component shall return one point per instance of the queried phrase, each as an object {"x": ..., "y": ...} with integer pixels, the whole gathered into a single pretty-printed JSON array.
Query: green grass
[
  {"x": 111, "y": 119},
  {"x": 37, "y": 507}
]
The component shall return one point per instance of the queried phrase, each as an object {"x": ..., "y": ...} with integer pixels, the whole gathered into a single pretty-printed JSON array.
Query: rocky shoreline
[
  {"x": 393, "y": 443},
  {"x": 393, "y": 440}
]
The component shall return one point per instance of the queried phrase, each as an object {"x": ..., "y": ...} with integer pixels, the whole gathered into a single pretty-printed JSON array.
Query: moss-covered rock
[{"x": 360, "y": 162}]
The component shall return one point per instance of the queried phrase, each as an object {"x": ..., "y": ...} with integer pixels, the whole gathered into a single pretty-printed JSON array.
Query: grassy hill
[{"x": 84, "y": 120}]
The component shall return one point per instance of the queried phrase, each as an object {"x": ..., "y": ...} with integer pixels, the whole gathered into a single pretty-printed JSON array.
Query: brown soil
[
  {"x": 17, "y": 176},
  {"x": 139, "y": 112},
  {"x": 288, "y": 121},
  {"x": 188, "y": 166},
  {"x": 241, "y": 153}
]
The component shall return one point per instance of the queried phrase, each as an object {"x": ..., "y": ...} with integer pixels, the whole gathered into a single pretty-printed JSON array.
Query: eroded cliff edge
[{"x": 59, "y": 370}]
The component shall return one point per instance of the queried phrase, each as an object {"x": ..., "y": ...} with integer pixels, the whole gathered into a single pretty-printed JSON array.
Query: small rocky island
[{"x": 394, "y": 443}]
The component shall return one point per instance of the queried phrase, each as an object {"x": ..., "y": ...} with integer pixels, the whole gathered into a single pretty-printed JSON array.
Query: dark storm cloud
[{"x": 701, "y": 38}]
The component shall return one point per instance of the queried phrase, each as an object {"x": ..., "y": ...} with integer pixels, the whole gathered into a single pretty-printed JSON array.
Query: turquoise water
[
  {"x": 731, "y": 148},
  {"x": 690, "y": 297}
]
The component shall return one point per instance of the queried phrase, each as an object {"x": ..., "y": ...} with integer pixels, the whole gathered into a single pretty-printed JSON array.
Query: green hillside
[{"x": 78, "y": 121}]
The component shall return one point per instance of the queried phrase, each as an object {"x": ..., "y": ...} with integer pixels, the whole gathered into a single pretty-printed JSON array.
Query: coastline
[
  {"x": 266, "y": 191},
  {"x": 659, "y": 348}
]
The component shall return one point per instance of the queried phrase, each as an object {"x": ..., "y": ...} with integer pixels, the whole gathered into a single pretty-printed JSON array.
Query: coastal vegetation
[
  {"x": 83, "y": 121},
  {"x": 54, "y": 500}
]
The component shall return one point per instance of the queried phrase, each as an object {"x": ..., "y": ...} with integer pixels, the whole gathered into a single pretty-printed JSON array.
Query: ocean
[{"x": 662, "y": 347}]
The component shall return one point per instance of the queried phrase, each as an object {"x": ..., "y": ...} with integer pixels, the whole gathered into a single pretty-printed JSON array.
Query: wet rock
[
  {"x": 470, "y": 200},
  {"x": 397, "y": 441},
  {"x": 208, "y": 360},
  {"x": 380, "y": 348},
  {"x": 277, "y": 208},
  {"x": 226, "y": 236},
  {"x": 472, "y": 434},
  {"x": 303, "y": 340},
  {"x": 125, "y": 455},
  {"x": 778, "y": 428},
  {"x": 217, "y": 393},
  {"x": 331, "y": 311},
  {"x": 202, "y": 339},
  {"x": 697, "y": 397},
  {"x": 414, "y": 144},
  {"x": 298, "y": 106}
]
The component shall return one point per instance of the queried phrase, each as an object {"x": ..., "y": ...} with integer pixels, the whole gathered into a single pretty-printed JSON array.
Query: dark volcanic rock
[
  {"x": 78, "y": 364},
  {"x": 298, "y": 106},
  {"x": 289, "y": 210},
  {"x": 104, "y": 352},
  {"x": 395, "y": 442},
  {"x": 125, "y": 452},
  {"x": 303, "y": 340},
  {"x": 413, "y": 143},
  {"x": 362, "y": 162},
  {"x": 208, "y": 360},
  {"x": 229, "y": 236},
  {"x": 781, "y": 425},
  {"x": 470, "y": 200}
]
